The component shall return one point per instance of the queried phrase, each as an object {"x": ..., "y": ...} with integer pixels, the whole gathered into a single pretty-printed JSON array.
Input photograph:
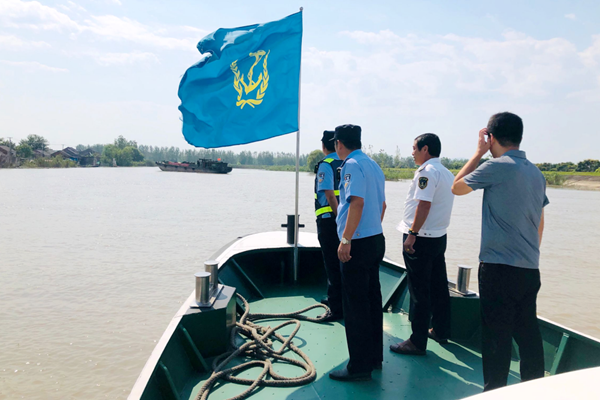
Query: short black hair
[
  {"x": 351, "y": 144},
  {"x": 507, "y": 128},
  {"x": 329, "y": 144},
  {"x": 432, "y": 141}
]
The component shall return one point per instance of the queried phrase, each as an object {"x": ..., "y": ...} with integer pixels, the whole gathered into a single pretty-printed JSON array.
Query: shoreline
[
  {"x": 568, "y": 181},
  {"x": 581, "y": 182}
]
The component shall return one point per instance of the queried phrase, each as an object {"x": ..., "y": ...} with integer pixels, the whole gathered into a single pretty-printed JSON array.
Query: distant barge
[{"x": 202, "y": 165}]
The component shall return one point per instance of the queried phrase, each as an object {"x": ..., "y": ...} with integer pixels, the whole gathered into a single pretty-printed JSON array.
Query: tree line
[
  {"x": 128, "y": 152},
  {"x": 582, "y": 166}
]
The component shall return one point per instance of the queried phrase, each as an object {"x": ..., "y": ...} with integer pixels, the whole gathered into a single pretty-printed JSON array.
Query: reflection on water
[{"x": 95, "y": 262}]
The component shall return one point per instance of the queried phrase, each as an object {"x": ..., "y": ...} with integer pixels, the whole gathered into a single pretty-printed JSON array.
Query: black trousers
[
  {"x": 428, "y": 287},
  {"x": 508, "y": 309},
  {"x": 328, "y": 238},
  {"x": 363, "y": 314}
]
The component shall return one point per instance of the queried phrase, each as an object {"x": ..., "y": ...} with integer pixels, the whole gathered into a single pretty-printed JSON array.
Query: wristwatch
[
  {"x": 345, "y": 241},
  {"x": 411, "y": 232}
]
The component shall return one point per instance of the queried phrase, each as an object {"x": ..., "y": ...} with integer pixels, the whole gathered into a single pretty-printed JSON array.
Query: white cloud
[
  {"x": 12, "y": 42},
  {"x": 72, "y": 7},
  {"x": 395, "y": 84},
  {"x": 517, "y": 65},
  {"x": 591, "y": 55},
  {"x": 111, "y": 27},
  {"x": 117, "y": 2},
  {"x": 31, "y": 66},
  {"x": 125, "y": 58},
  {"x": 570, "y": 16},
  {"x": 34, "y": 15}
]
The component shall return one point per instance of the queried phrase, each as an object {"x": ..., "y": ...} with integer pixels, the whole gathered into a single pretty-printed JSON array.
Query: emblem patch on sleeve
[
  {"x": 347, "y": 180},
  {"x": 321, "y": 176},
  {"x": 423, "y": 182}
]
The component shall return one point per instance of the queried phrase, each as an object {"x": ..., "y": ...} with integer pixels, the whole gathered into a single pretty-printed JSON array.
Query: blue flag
[{"x": 245, "y": 88}]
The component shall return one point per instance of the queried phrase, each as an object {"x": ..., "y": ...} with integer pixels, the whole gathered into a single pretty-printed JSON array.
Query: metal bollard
[
  {"x": 291, "y": 227},
  {"x": 202, "y": 287},
  {"x": 212, "y": 266},
  {"x": 462, "y": 281}
]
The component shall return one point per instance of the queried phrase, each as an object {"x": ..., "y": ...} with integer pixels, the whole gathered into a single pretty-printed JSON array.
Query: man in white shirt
[{"x": 427, "y": 212}]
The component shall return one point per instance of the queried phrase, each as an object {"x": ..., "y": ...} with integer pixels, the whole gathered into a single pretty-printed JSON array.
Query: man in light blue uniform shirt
[
  {"x": 327, "y": 184},
  {"x": 361, "y": 249}
]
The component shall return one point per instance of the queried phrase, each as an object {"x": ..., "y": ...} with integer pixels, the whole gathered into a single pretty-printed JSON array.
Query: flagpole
[{"x": 296, "y": 223}]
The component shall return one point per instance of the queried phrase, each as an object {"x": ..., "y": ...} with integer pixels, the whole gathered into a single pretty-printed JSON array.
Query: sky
[{"x": 87, "y": 71}]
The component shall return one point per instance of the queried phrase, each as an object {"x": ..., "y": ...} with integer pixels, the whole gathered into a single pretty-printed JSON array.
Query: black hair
[
  {"x": 432, "y": 141},
  {"x": 329, "y": 145},
  {"x": 507, "y": 128},
  {"x": 351, "y": 144}
]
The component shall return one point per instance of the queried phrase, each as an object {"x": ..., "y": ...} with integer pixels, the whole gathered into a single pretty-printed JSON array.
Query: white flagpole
[{"x": 296, "y": 230}]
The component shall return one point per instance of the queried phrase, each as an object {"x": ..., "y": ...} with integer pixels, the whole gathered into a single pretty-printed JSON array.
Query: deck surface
[{"x": 451, "y": 371}]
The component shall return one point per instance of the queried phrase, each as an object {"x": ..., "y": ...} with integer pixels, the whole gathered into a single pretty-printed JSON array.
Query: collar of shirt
[
  {"x": 352, "y": 155},
  {"x": 333, "y": 155},
  {"x": 515, "y": 153},
  {"x": 435, "y": 160}
]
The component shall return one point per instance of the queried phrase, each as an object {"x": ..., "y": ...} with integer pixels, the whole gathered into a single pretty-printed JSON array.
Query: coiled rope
[{"x": 260, "y": 349}]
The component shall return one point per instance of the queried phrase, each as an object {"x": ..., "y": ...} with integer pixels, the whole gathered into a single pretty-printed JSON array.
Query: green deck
[
  {"x": 451, "y": 371},
  {"x": 179, "y": 366}
]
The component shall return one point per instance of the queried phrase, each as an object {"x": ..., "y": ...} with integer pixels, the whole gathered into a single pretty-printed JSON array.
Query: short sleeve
[
  {"x": 485, "y": 176},
  {"x": 324, "y": 177},
  {"x": 353, "y": 180},
  {"x": 427, "y": 181},
  {"x": 546, "y": 201}
]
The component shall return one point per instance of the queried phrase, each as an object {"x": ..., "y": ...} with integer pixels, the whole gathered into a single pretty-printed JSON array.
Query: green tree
[
  {"x": 588, "y": 166},
  {"x": 4, "y": 142},
  {"x": 35, "y": 142},
  {"x": 109, "y": 152},
  {"x": 565, "y": 167},
  {"x": 383, "y": 159},
  {"x": 245, "y": 158},
  {"x": 125, "y": 156},
  {"x": 313, "y": 158},
  {"x": 24, "y": 150},
  {"x": 264, "y": 158},
  {"x": 137, "y": 155},
  {"x": 121, "y": 143}
]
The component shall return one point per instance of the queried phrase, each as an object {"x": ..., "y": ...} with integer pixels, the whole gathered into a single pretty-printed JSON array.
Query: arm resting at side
[
  {"x": 333, "y": 203},
  {"x": 541, "y": 227},
  {"x": 421, "y": 214},
  {"x": 354, "y": 215}
]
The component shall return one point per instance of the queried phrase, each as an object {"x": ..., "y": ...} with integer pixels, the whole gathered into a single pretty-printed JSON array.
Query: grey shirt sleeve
[{"x": 485, "y": 176}]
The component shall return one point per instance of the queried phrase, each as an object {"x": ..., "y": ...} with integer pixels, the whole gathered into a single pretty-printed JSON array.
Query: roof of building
[{"x": 6, "y": 149}]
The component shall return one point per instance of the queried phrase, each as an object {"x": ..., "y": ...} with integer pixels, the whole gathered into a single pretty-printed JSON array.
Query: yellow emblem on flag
[{"x": 243, "y": 88}]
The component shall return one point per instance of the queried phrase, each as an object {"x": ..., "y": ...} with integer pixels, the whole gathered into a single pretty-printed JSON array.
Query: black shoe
[
  {"x": 346, "y": 376},
  {"x": 378, "y": 366},
  {"x": 334, "y": 317},
  {"x": 408, "y": 348},
  {"x": 432, "y": 335},
  {"x": 325, "y": 301}
]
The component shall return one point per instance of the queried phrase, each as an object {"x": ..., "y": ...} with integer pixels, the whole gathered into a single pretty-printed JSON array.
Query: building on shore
[{"x": 8, "y": 156}]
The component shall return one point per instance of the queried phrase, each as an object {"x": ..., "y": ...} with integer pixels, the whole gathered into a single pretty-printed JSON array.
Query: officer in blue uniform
[
  {"x": 362, "y": 246},
  {"x": 327, "y": 182}
]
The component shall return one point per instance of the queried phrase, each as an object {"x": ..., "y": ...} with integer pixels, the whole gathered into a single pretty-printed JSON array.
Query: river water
[{"x": 95, "y": 262}]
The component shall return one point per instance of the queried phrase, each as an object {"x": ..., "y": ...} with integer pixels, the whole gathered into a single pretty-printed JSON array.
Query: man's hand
[
  {"x": 409, "y": 243},
  {"x": 483, "y": 146},
  {"x": 344, "y": 252},
  {"x": 459, "y": 187}
]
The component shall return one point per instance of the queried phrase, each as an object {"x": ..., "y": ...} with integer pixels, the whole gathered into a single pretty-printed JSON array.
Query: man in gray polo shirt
[{"x": 511, "y": 233}]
